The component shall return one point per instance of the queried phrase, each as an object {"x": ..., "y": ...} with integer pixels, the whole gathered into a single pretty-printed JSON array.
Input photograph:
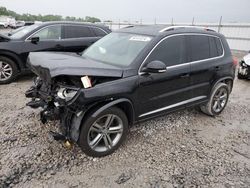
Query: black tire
[
  {"x": 84, "y": 142},
  {"x": 209, "y": 107},
  {"x": 14, "y": 72}
]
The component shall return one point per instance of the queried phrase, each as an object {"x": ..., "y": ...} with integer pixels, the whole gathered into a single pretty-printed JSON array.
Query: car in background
[
  {"x": 48, "y": 36},
  {"x": 20, "y": 24},
  {"x": 244, "y": 67}
]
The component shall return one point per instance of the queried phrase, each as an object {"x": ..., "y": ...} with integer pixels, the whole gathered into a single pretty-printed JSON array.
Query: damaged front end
[{"x": 63, "y": 98}]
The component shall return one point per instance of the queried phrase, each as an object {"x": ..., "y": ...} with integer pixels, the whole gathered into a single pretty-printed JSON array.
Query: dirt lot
[{"x": 184, "y": 149}]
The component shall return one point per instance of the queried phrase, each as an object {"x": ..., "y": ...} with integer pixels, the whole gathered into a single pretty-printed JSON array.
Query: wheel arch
[
  {"x": 94, "y": 110},
  {"x": 227, "y": 80},
  {"x": 14, "y": 57}
]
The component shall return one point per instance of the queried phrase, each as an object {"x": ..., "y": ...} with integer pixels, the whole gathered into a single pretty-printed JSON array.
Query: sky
[{"x": 136, "y": 10}]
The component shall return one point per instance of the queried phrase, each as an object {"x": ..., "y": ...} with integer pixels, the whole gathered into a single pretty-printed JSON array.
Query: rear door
[
  {"x": 205, "y": 53},
  {"x": 76, "y": 38},
  {"x": 159, "y": 92}
]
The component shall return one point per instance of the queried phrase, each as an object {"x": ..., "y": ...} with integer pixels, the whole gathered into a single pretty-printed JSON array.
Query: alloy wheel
[
  {"x": 105, "y": 133},
  {"x": 220, "y": 100},
  {"x": 5, "y": 71}
]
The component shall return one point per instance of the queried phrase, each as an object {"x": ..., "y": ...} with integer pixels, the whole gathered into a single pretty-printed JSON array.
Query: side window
[
  {"x": 171, "y": 51},
  {"x": 49, "y": 33},
  {"x": 200, "y": 48},
  {"x": 219, "y": 46},
  {"x": 213, "y": 47},
  {"x": 98, "y": 32},
  {"x": 77, "y": 32}
]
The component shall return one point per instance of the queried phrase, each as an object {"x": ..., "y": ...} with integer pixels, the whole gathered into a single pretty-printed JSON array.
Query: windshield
[
  {"x": 21, "y": 33},
  {"x": 118, "y": 49}
]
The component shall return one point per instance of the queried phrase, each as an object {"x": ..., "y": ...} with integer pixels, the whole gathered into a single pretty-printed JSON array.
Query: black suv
[
  {"x": 48, "y": 36},
  {"x": 129, "y": 76}
]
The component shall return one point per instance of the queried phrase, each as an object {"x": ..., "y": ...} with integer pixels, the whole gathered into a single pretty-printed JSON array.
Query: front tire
[
  {"x": 218, "y": 100},
  {"x": 8, "y": 70},
  {"x": 103, "y": 134}
]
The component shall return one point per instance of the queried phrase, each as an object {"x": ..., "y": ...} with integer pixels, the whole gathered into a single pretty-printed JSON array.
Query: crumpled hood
[
  {"x": 57, "y": 64},
  {"x": 247, "y": 59},
  {"x": 4, "y": 38}
]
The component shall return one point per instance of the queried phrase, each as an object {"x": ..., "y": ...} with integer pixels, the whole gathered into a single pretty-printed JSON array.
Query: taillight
[{"x": 235, "y": 61}]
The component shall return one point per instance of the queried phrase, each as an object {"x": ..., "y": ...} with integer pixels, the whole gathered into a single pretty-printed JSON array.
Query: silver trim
[
  {"x": 183, "y": 26},
  {"x": 27, "y": 39},
  {"x": 191, "y": 62},
  {"x": 173, "y": 105}
]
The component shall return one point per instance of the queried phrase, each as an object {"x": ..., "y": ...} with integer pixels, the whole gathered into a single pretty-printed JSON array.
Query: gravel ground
[{"x": 183, "y": 149}]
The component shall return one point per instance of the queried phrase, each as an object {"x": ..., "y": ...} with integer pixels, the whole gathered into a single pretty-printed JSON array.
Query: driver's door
[
  {"x": 169, "y": 90},
  {"x": 49, "y": 40}
]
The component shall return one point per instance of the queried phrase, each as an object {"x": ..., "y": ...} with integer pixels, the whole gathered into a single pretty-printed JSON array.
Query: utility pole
[{"x": 220, "y": 24}]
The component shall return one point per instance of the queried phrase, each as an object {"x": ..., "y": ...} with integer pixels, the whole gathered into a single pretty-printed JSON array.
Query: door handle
[
  {"x": 217, "y": 68},
  {"x": 185, "y": 75},
  {"x": 58, "y": 46}
]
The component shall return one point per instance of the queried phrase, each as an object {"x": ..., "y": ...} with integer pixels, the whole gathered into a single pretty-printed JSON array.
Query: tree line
[{"x": 44, "y": 18}]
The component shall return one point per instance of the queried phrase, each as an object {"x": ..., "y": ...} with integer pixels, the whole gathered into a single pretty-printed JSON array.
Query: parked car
[
  {"x": 49, "y": 36},
  {"x": 20, "y": 24},
  {"x": 244, "y": 67},
  {"x": 3, "y": 24},
  {"x": 129, "y": 76}
]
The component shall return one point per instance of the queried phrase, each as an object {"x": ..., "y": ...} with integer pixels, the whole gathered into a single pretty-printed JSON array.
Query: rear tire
[
  {"x": 218, "y": 100},
  {"x": 103, "y": 134},
  {"x": 8, "y": 70}
]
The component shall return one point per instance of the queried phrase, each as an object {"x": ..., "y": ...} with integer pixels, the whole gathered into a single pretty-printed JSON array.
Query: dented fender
[{"x": 77, "y": 119}]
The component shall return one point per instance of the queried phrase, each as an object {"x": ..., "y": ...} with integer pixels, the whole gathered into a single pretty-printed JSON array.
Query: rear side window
[
  {"x": 219, "y": 46},
  {"x": 77, "y": 32},
  {"x": 99, "y": 32},
  {"x": 171, "y": 51},
  {"x": 204, "y": 47}
]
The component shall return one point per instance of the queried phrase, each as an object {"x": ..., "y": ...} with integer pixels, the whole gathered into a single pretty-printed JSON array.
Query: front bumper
[
  {"x": 52, "y": 108},
  {"x": 244, "y": 69}
]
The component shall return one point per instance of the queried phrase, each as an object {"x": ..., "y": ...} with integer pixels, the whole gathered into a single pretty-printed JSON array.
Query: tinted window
[
  {"x": 77, "y": 32},
  {"x": 99, "y": 32},
  {"x": 200, "y": 48},
  {"x": 170, "y": 51},
  {"x": 49, "y": 33},
  {"x": 213, "y": 47},
  {"x": 219, "y": 47}
]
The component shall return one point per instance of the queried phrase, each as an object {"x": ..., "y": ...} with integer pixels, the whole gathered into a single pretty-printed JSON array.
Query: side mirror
[
  {"x": 155, "y": 67},
  {"x": 35, "y": 40}
]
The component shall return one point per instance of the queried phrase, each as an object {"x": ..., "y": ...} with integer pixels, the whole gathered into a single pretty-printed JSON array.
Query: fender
[
  {"x": 14, "y": 57},
  {"x": 77, "y": 119},
  {"x": 222, "y": 79}
]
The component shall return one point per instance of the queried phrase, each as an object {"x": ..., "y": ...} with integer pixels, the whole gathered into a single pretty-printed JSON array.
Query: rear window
[
  {"x": 204, "y": 47},
  {"x": 99, "y": 32},
  {"x": 77, "y": 32}
]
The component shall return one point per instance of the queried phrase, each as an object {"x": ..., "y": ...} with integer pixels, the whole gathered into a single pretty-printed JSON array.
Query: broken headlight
[
  {"x": 243, "y": 64},
  {"x": 66, "y": 93}
]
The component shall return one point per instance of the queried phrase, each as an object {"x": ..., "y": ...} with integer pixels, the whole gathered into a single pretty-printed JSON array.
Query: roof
[
  {"x": 155, "y": 30},
  {"x": 75, "y": 23}
]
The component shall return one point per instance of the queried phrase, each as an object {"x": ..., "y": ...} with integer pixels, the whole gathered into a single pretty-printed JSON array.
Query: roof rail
[{"x": 170, "y": 28}]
